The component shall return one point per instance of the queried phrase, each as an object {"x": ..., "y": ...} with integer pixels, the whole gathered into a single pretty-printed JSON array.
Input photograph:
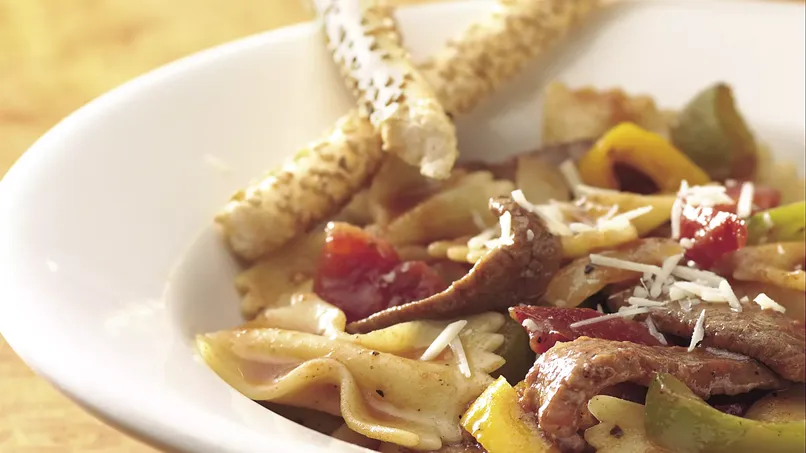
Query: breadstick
[
  {"x": 288, "y": 202},
  {"x": 401, "y": 104},
  {"x": 491, "y": 51},
  {"x": 313, "y": 186}
]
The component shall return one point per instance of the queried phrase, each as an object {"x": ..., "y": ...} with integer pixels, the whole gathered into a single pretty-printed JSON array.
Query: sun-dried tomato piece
[
  {"x": 362, "y": 275},
  {"x": 714, "y": 233},
  {"x": 553, "y": 324}
]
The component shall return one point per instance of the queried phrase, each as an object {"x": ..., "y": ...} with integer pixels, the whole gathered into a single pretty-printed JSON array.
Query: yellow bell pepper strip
[
  {"x": 782, "y": 224},
  {"x": 644, "y": 151},
  {"x": 712, "y": 133},
  {"x": 678, "y": 420},
  {"x": 498, "y": 423}
]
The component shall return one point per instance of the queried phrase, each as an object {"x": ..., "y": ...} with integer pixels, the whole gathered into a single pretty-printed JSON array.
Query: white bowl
[{"x": 109, "y": 261}]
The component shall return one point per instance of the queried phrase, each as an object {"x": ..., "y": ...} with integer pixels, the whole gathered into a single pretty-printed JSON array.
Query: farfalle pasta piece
[
  {"x": 460, "y": 209},
  {"x": 620, "y": 428},
  {"x": 374, "y": 381},
  {"x": 366, "y": 46},
  {"x": 274, "y": 278},
  {"x": 308, "y": 313},
  {"x": 315, "y": 184},
  {"x": 489, "y": 52},
  {"x": 778, "y": 264}
]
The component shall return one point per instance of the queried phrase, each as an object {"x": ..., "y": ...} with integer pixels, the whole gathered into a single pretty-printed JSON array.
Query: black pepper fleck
[
  {"x": 379, "y": 392},
  {"x": 616, "y": 432},
  {"x": 589, "y": 268},
  {"x": 376, "y": 353}
]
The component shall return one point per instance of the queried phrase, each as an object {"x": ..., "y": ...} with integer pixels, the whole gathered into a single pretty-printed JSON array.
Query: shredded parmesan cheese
[
  {"x": 650, "y": 325},
  {"x": 599, "y": 308},
  {"x": 624, "y": 313},
  {"x": 766, "y": 303},
  {"x": 442, "y": 340},
  {"x": 699, "y": 332},
  {"x": 705, "y": 293},
  {"x": 635, "y": 213},
  {"x": 640, "y": 291},
  {"x": 707, "y": 196},
  {"x": 577, "y": 227},
  {"x": 767, "y": 220},
  {"x": 744, "y": 206},
  {"x": 691, "y": 274},
  {"x": 529, "y": 325},
  {"x": 602, "y": 260},
  {"x": 686, "y": 243},
  {"x": 669, "y": 264},
  {"x": 506, "y": 229},
  {"x": 478, "y": 241},
  {"x": 549, "y": 213},
  {"x": 642, "y": 302},
  {"x": 461, "y": 357},
  {"x": 676, "y": 293},
  {"x": 530, "y": 235},
  {"x": 727, "y": 291},
  {"x": 677, "y": 209}
]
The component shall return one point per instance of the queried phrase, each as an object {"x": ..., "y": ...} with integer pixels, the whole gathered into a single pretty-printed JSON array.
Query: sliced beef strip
[
  {"x": 566, "y": 377},
  {"x": 508, "y": 275},
  {"x": 768, "y": 336}
]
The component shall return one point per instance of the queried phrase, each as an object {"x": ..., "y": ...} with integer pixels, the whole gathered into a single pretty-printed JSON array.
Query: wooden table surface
[{"x": 54, "y": 57}]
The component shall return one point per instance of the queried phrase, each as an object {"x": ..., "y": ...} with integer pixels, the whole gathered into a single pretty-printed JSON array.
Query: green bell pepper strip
[
  {"x": 516, "y": 351},
  {"x": 679, "y": 421},
  {"x": 782, "y": 224},
  {"x": 711, "y": 132}
]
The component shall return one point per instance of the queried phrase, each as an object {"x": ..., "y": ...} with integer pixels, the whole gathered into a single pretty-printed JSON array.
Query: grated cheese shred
[
  {"x": 653, "y": 330},
  {"x": 602, "y": 260},
  {"x": 442, "y": 340},
  {"x": 643, "y": 302},
  {"x": 744, "y": 207},
  {"x": 727, "y": 291},
  {"x": 461, "y": 357},
  {"x": 677, "y": 209},
  {"x": 624, "y": 313},
  {"x": 529, "y": 325},
  {"x": 766, "y": 303},
  {"x": 669, "y": 264},
  {"x": 699, "y": 332}
]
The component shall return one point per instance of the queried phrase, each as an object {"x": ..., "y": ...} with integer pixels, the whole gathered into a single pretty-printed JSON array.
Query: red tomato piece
[
  {"x": 362, "y": 275},
  {"x": 714, "y": 233},
  {"x": 553, "y": 324}
]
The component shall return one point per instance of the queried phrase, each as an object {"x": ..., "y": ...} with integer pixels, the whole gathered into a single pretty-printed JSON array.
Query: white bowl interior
[{"x": 111, "y": 264}]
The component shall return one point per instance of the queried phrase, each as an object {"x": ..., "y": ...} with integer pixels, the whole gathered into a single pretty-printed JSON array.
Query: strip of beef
[
  {"x": 768, "y": 336},
  {"x": 510, "y": 274},
  {"x": 566, "y": 377}
]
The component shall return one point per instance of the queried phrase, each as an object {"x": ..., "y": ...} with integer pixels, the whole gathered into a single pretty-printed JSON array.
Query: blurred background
[{"x": 56, "y": 55}]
